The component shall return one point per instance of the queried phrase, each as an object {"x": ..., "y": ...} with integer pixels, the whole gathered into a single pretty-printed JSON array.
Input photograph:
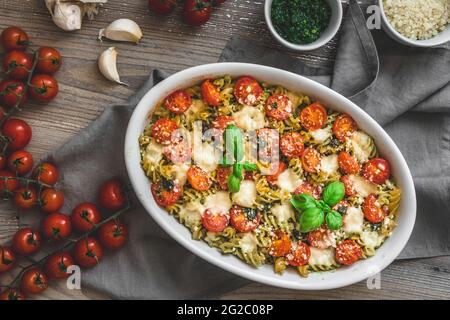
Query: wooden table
[{"x": 169, "y": 45}]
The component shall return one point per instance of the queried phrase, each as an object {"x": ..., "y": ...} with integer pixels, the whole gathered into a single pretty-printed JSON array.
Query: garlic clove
[
  {"x": 122, "y": 30},
  {"x": 67, "y": 16},
  {"x": 107, "y": 63}
]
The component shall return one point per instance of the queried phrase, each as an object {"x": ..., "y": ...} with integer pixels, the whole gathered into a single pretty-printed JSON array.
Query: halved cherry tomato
[
  {"x": 113, "y": 234},
  {"x": 178, "y": 101},
  {"x": 299, "y": 254},
  {"x": 268, "y": 146},
  {"x": 372, "y": 210},
  {"x": 272, "y": 179},
  {"x": 46, "y": 173},
  {"x": 196, "y": 12},
  {"x": 210, "y": 93},
  {"x": 49, "y": 60},
  {"x": 347, "y": 163},
  {"x": 14, "y": 38},
  {"x": 33, "y": 281},
  {"x": 8, "y": 182},
  {"x": 2, "y": 161},
  {"x": 222, "y": 122},
  {"x": 12, "y": 92},
  {"x": 214, "y": 220},
  {"x": 18, "y": 133},
  {"x": 320, "y": 238},
  {"x": 17, "y": 64},
  {"x": 162, "y": 6},
  {"x": 348, "y": 185},
  {"x": 313, "y": 117},
  {"x": 12, "y": 294},
  {"x": 244, "y": 219},
  {"x": 26, "y": 241},
  {"x": 84, "y": 216},
  {"x": 6, "y": 259},
  {"x": 281, "y": 244},
  {"x": 43, "y": 87},
  {"x": 88, "y": 252},
  {"x": 20, "y": 162},
  {"x": 56, "y": 226},
  {"x": 163, "y": 129},
  {"x": 279, "y": 107},
  {"x": 307, "y": 188},
  {"x": 291, "y": 145},
  {"x": 166, "y": 192},
  {"x": 111, "y": 195},
  {"x": 377, "y": 170},
  {"x": 348, "y": 252},
  {"x": 247, "y": 91},
  {"x": 179, "y": 150},
  {"x": 311, "y": 160},
  {"x": 25, "y": 198},
  {"x": 198, "y": 178},
  {"x": 344, "y": 126},
  {"x": 222, "y": 175},
  {"x": 51, "y": 200},
  {"x": 56, "y": 265}
]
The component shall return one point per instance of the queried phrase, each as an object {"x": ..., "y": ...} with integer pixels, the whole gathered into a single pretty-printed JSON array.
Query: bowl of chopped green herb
[{"x": 303, "y": 25}]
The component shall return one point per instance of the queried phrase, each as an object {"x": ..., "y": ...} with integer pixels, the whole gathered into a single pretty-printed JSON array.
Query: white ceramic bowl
[
  {"x": 441, "y": 38},
  {"x": 265, "y": 274},
  {"x": 327, "y": 35}
]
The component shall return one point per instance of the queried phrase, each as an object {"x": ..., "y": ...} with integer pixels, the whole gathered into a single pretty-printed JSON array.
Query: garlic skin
[
  {"x": 107, "y": 63},
  {"x": 67, "y": 16},
  {"x": 122, "y": 30}
]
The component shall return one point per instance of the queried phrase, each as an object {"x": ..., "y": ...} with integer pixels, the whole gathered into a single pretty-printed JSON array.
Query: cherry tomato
[
  {"x": 196, "y": 12},
  {"x": 348, "y": 252},
  {"x": 17, "y": 64},
  {"x": 6, "y": 259},
  {"x": 8, "y": 182},
  {"x": 12, "y": 92},
  {"x": 49, "y": 60},
  {"x": 320, "y": 238},
  {"x": 166, "y": 192},
  {"x": 20, "y": 162},
  {"x": 273, "y": 179},
  {"x": 214, "y": 220},
  {"x": 278, "y": 107},
  {"x": 46, "y": 173},
  {"x": 348, "y": 185},
  {"x": 268, "y": 146},
  {"x": 12, "y": 294},
  {"x": 222, "y": 175},
  {"x": 377, "y": 170},
  {"x": 307, "y": 188},
  {"x": 163, "y": 129},
  {"x": 247, "y": 91},
  {"x": 18, "y": 132},
  {"x": 25, "y": 198},
  {"x": 162, "y": 6},
  {"x": 281, "y": 245},
  {"x": 56, "y": 265},
  {"x": 244, "y": 219},
  {"x": 198, "y": 178},
  {"x": 291, "y": 145},
  {"x": 311, "y": 160},
  {"x": 26, "y": 241},
  {"x": 56, "y": 226},
  {"x": 222, "y": 122},
  {"x": 2, "y": 162},
  {"x": 33, "y": 281},
  {"x": 313, "y": 117},
  {"x": 179, "y": 150},
  {"x": 85, "y": 216},
  {"x": 372, "y": 210},
  {"x": 347, "y": 163},
  {"x": 344, "y": 126},
  {"x": 43, "y": 87},
  {"x": 299, "y": 254},
  {"x": 111, "y": 195},
  {"x": 113, "y": 234},
  {"x": 178, "y": 101},
  {"x": 87, "y": 252},
  {"x": 210, "y": 93},
  {"x": 14, "y": 38},
  {"x": 51, "y": 200}
]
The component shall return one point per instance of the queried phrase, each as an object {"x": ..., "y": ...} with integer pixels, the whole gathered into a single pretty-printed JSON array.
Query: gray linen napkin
[{"x": 410, "y": 95}]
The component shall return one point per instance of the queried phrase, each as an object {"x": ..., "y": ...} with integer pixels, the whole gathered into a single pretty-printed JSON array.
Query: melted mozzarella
[
  {"x": 362, "y": 186},
  {"x": 282, "y": 211},
  {"x": 321, "y": 257},
  {"x": 288, "y": 180},
  {"x": 321, "y": 135},
  {"x": 250, "y": 118},
  {"x": 371, "y": 239},
  {"x": 154, "y": 152},
  {"x": 191, "y": 214},
  {"x": 206, "y": 156},
  {"x": 248, "y": 243},
  {"x": 246, "y": 197},
  {"x": 353, "y": 220},
  {"x": 197, "y": 106},
  {"x": 179, "y": 173},
  {"x": 329, "y": 164},
  {"x": 220, "y": 200},
  {"x": 362, "y": 146}
]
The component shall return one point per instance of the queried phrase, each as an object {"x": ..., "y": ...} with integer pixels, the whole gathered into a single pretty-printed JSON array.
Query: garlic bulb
[
  {"x": 67, "y": 16},
  {"x": 107, "y": 63},
  {"x": 122, "y": 30}
]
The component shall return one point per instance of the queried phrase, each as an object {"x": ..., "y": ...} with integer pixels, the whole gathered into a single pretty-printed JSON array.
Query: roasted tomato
[
  {"x": 377, "y": 170},
  {"x": 14, "y": 38},
  {"x": 163, "y": 129},
  {"x": 247, "y": 91},
  {"x": 12, "y": 294},
  {"x": 372, "y": 210},
  {"x": 84, "y": 216},
  {"x": 18, "y": 133},
  {"x": 25, "y": 198},
  {"x": 344, "y": 126},
  {"x": 46, "y": 173},
  {"x": 320, "y": 238},
  {"x": 299, "y": 254},
  {"x": 179, "y": 150},
  {"x": 272, "y": 179},
  {"x": 56, "y": 226},
  {"x": 196, "y": 12},
  {"x": 269, "y": 147},
  {"x": 6, "y": 259},
  {"x": 166, "y": 192},
  {"x": 17, "y": 64},
  {"x": 222, "y": 175},
  {"x": 311, "y": 160},
  {"x": 244, "y": 219},
  {"x": 222, "y": 122},
  {"x": 162, "y": 6},
  {"x": 307, "y": 188},
  {"x": 8, "y": 183},
  {"x": 43, "y": 87},
  {"x": 56, "y": 265},
  {"x": 291, "y": 145},
  {"x": 26, "y": 241},
  {"x": 313, "y": 117},
  {"x": 12, "y": 92},
  {"x": 349, "y": 188},
  {"x": 20, "y": 162},
  {"x": 87, "y": 252},
  {"x": 112, "y": 195},
  {"x": 113, "y": 234},
  {"x": 51, "y": 200},
  {"x": 178, "y": 101},
  {"x": 347, "y": 163},
  {"x": 49, "y": 60},
  {"x": 210, "y": 93},
  {"x": 348, "y": 252},
  {"x": 33, "y": 281},
  {"x": 199, "y": 178},
  {"x": 281, "y": 244},
  {"x": 2, "y": 161},
  {"x": 214, "y": 220},
  {"x": 279, "y": 107}
]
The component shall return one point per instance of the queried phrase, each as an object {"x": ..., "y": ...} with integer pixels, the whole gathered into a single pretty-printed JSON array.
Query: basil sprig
[{"x": 315, "y": 212}]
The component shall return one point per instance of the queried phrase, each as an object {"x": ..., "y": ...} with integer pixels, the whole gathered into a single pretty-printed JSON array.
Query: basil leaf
[
  {"x": 237, "y": 171},
  {"x": 234, "y": 143},
  {"x": 311, "y": 219},
  {"x": 334, "y": 220},
  {"x": 333, "y": 193},
  {"x": 322, "y": 205},
  {"x": 226, "y": 162},
  {"x": 302, "y": 202},
  {"x": 234, "y": 183},
  {"x": 250, "y": 166}
]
